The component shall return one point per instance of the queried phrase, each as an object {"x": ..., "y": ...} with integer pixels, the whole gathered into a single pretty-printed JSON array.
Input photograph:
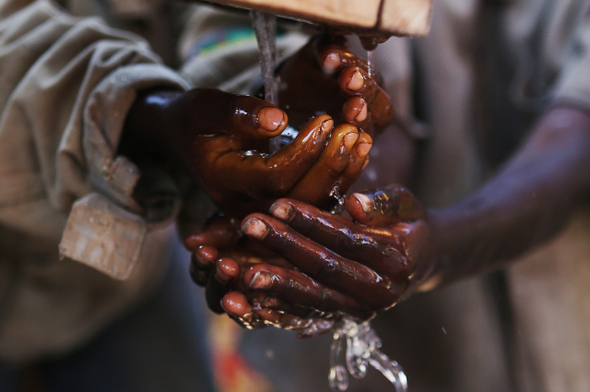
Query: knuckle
[{"x": 323, "y": 269}]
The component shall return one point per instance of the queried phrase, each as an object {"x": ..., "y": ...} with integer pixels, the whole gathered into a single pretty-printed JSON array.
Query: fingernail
[
  {"x": 366, "y": 202},
  {"x": 362, "y": 116},
  {"x": 363, "y": 149},
  {"x": 350, "y": 139},
  {"x": 356, "y": 81},
  {"x": 255, "y": 228},
  {"x": 327, "y": 126},
  {"x": 260, "y": 280},
  {"x": 270, "y": 118},
  {"x": 207, "y": 252},
  {"x": 283, "y": 211},
  {"x": 332, "y": 62},
  {"x": 227, "y": 269},
  {"x": 221, "y": 275}
]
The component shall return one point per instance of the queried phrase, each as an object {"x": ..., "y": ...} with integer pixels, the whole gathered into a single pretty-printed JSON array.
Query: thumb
[
  {"x": 214, "y": 110},
  {"x": 383, "y": 207}
]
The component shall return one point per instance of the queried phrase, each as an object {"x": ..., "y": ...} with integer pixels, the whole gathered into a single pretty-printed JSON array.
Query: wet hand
[
  {"x": 354, "y": 267},
  {"x": 325, "y": 75},
  {"x": 332, "y": 266},
  {"x": 220, "y": 257},
  {"x": 222, "y": 141}
]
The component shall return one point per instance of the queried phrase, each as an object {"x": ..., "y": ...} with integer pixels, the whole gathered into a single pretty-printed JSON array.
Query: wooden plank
[
  {"x": 362, "y": 13},
  {"x": 400, "y": 17},
  {"x": 406, "y": 17}
]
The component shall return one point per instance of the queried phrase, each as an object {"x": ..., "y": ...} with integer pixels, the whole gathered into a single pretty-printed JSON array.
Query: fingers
[
  {"x": 384, "y": 206},
  {"x": 295, "y": 288},
  {"x": 236, "y": 305},
  {"x": 316, "y": 185},
  {"x": 202, "y": 263},
  {"x": 353, "y": 78},
  {"x": 356, "y": 112},
  {"x": 334, "y": 58},
  {"x": 381, "y": 250},
  {"x": 359, "y": 158},
  {"x": 261, "y": 176},
  {"x": 259, "y": 312},
  {"x": 321, "y": 264},
  {"x": 356, "y": 81},
  {"x": 213, "y": 111},
  {"x": 220, "y": 232}
]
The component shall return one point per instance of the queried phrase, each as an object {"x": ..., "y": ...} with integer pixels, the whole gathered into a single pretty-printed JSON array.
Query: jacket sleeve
[{"x": 66, "y": 85}]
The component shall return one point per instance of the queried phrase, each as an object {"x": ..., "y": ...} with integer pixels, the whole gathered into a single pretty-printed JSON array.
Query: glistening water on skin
[{"x": 355, "y": 346}]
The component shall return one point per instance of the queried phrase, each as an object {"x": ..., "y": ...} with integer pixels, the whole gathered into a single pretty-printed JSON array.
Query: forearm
[{"x": 525, "y": 205}]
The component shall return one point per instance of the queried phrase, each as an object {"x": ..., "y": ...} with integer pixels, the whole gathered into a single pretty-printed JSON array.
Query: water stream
[
  {"x": 355, "y": 346},
  {"x": 265, "y": 26},
  {"x": 370, "y": 63}
]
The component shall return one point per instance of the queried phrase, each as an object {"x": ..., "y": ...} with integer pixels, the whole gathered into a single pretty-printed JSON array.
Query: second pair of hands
[{"x": 302, "y": 268}]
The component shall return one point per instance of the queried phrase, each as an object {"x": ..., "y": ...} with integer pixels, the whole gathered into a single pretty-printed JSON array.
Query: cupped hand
[
  {"x": 222, "y": 141},
  {"x": 332, "y": 266},
  {"x": 325, "y": 75},
  {"x": 220, "y": 257}
]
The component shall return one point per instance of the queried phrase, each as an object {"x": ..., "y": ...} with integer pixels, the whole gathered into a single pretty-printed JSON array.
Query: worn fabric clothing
[
  {"x": 66, "y": 86},
  {"x": 69, "y": 74}
]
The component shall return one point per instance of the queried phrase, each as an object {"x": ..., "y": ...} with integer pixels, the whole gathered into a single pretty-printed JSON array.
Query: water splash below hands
[
  {"x": 356, "y": 346},
  {"x": 360, "y": 345}
]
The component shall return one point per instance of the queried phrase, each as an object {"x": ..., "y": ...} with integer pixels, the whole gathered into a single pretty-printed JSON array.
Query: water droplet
[
  {"x": 338, "y": 379},
  {"x": 335, "y": 193}
]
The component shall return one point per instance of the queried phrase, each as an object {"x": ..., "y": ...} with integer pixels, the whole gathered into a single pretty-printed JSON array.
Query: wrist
[{"x": 432, "y": 271}]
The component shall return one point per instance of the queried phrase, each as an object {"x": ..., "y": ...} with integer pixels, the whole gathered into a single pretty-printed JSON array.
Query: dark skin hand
[
  {"x": 347, "y": 92},
  {"x": 327, "y": 263},
  {"x": 343, "y": 266},
  {"x": 221, "y": 139}
]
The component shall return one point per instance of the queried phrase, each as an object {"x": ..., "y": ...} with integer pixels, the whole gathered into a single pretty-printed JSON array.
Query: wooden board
[{"x": 398, "y": 17}]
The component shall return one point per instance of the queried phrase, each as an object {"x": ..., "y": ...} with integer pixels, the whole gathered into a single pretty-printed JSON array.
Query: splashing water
[
  {"x": 335, "y": 193},
  {"x": 355, "y": 346},
  {"x": 265, "y": 26}
]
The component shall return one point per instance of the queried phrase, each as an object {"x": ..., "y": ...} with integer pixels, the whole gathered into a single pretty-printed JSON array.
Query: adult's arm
[
  {"x": 394, "y": 248},
  {"x": 527, "y": 203}
]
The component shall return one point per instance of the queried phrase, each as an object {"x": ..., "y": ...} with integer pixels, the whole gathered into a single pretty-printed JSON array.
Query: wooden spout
[{"x": 395, "y": 17}]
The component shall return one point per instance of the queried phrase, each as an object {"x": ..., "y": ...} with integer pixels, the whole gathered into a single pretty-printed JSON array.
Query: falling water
[
  {"x": 355, "y": 346},
  {"x": 370, "y": 63},
  {"x": 265, "y": 27}
]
